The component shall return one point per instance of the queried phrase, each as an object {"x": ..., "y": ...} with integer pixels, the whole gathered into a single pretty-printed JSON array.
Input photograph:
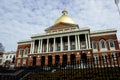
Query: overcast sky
[{"x": 19, "y": 19}]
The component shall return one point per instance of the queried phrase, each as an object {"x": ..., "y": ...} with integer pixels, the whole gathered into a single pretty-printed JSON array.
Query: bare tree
[{"x": 2, "y": 48}]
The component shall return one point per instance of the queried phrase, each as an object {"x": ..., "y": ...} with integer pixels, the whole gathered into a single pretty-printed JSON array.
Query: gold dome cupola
[{"x": 65, "y": 18}]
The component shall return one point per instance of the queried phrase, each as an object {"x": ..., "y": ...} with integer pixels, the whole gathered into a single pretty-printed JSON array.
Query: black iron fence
[{"x": 98, "y": 68}]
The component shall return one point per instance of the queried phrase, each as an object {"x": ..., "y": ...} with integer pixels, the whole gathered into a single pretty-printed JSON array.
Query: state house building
[{"x": 63, "y": 42}]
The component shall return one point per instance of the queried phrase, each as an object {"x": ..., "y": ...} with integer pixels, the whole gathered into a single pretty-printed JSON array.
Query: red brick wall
[
  {"x": 106, "y": 38},
  {"x": 17, "y": 52}
]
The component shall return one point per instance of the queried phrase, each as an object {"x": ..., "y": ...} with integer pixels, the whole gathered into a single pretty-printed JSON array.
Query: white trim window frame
[
  {"x": 111, "y": 44},
  {"x": 25, "y": 52},
  {"x": 96, "y": 58},
  {"x": 18, "y": 62},
  {"x": 20, "y": 53},
  {"x": 24, "y": 62},
  {"x": 104, "y": 58},
  {"x": 103, "y": 45},
  {"x": 114, "y": 57},
  {"x": 94, "y": 46}
]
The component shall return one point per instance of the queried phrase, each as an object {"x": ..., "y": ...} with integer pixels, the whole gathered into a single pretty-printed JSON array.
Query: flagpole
[{"x": 118, "y": 9}]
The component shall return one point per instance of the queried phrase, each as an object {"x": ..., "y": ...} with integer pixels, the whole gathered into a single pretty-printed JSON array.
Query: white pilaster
[
  {"x": 76, "y": 44},
  {"x": 54, "y": 47},
  {"x": 86, "y": 41},
  {"x": 68, "y": 42},
  {"x": 47, "y": 44},
  {"x": 61, "y": 44}
]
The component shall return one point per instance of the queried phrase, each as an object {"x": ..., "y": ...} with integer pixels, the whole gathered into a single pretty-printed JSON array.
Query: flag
[{"x": 116, "y": 2}]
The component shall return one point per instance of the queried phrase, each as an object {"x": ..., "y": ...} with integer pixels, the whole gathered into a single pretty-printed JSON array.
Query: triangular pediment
[{"x": 61, "y": 25}]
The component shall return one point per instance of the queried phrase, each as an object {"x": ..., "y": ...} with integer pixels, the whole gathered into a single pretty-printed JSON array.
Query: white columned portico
[
  {"x": 76, "y": 43},
  {"x": 68, "y": 42},
  {"x": 38, "y": 51},
  {"x": 86, "y": 41},
  {"x": 41, "y": 45},
  {"x": 47, "y": 44},
  {"x": 54, "y": 47},
  {"x": 61, "y": 44}
]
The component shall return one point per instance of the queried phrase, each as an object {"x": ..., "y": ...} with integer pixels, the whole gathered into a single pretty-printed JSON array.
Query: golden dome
[{"x": 65, "y": 18}]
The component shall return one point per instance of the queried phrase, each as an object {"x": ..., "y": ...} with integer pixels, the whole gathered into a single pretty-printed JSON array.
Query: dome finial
[{"x": 64, "y": 12}]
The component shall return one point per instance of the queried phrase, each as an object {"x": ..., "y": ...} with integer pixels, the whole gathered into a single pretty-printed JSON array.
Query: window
[
  {"x": 10, "y": 56},
  {"x": 18, "y": 62},
  {"x": 66, "y": 46},
  {"x": 96, "y": 59},
  {"x": 6, "y": 57},
  {"x": 114, "y": 57},
  {"x": 111, "y": 43},
  {"x": 24, "y": 62},
  {"x": 26, "y": 51},
  {"x": 94, "y": 44},
  {"x": 20, "y": 52},
  {"x": 73, "y": 46},
  {"x": 58, "y": 49},
  {"x": 103, "y": 44},
  {"x": 105, "y": 58}
]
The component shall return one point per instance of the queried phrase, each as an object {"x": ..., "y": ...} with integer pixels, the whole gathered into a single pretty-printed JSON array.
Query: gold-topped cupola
[{"x": 65, "y": 18}]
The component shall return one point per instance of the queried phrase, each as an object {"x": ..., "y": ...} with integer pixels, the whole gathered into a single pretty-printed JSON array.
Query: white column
[
  {"x": 89, "y": 40},
  {"x": 86, "y": 41},
  {"x": 54, "y": 47},
  {"x": 38, "y": 51},
  {"x": 61, "y": 44},
  {"x": 68, "y": 42},
  {"x": 41, "y": 45},
  {"x": 76, "y": 44},
  {"x": 47, "y": 45},
  {"x": 31, "y": 48}
]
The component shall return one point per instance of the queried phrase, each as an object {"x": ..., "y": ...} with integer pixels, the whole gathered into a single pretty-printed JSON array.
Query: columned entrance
[
  {"x": 57, "y": 60},
  {"x": 42, "y": 60},
  {"x": 72, "y": 59},
  {"x": 34, "y": 61},
  {"x": 64, "y": 61},
  {"x": 49, "y": 60}
]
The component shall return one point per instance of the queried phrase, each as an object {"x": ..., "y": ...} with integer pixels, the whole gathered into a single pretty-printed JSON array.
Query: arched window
[
  {"x": 94, "y": 44},
  {"x": 103, "y": 43},
  {"x": 105, "y": 57},
  {"x": 96, "y": 58},
  {"x": 111, "y": 43},
  {"x": 114, "y": 57},
  {"x": 20, "y": 52},
  {"x": 26, "y": 51}
]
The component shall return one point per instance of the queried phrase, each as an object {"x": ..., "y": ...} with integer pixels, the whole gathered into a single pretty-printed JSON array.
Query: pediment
[{"x": 61, "y": 26}]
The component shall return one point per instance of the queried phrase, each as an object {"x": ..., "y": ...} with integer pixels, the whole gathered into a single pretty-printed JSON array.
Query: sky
[{"x": 20, "y": 19}]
